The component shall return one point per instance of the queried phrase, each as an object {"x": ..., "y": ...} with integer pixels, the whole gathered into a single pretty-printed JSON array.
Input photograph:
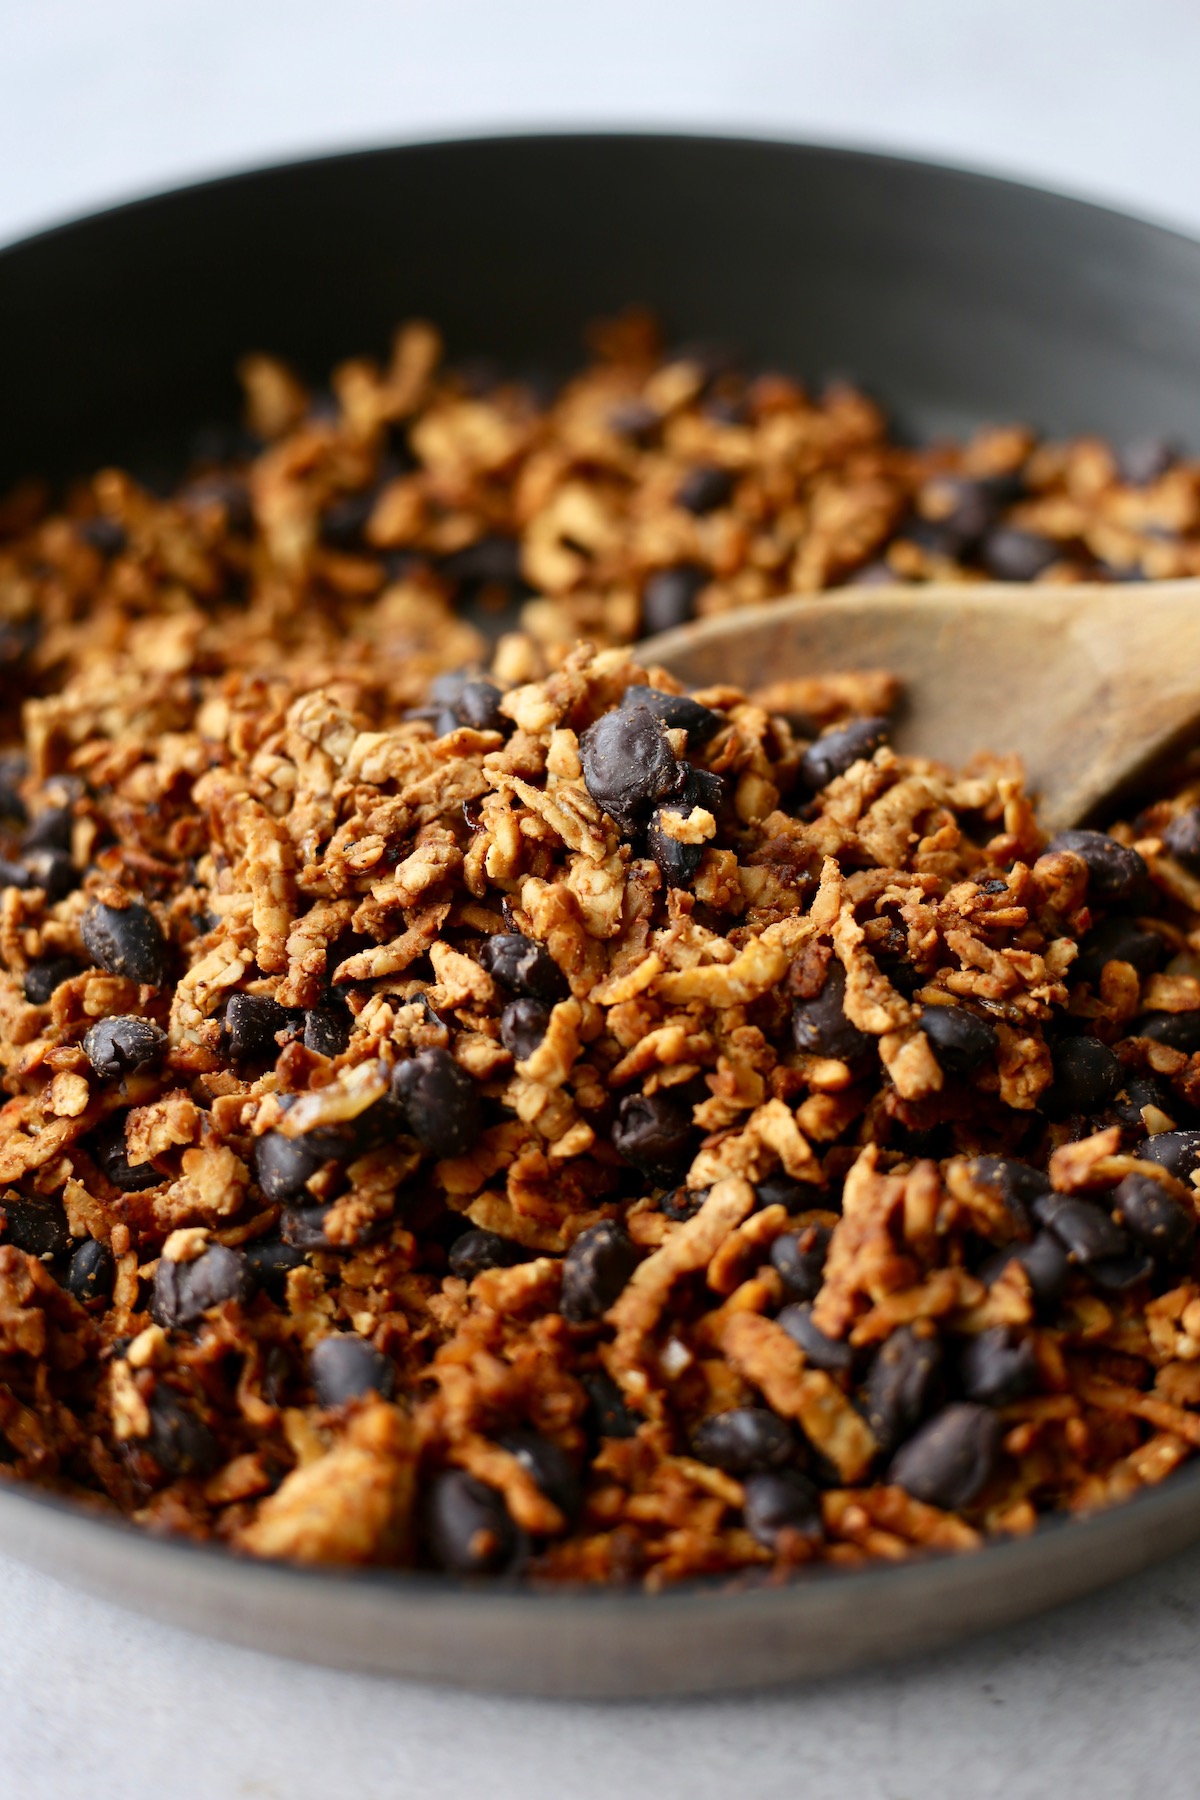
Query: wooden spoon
[{"x": 1089, "y": 685}]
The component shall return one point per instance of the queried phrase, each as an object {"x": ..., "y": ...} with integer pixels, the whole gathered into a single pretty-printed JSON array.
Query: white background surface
[{"x": 102, "y": 99}]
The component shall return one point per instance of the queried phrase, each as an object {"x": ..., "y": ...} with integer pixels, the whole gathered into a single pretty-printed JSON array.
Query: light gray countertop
[
  {"x": 1098, "y": 1700},
  {"x": 105, "y": 101}
]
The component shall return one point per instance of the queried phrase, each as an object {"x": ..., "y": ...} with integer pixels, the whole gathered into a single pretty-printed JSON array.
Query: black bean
[
  {"x": 283, "y": 1166},
  {"x": 782, "y": 1502},
  {"x": 1182, "y": 839},
  {"x": 550, "y": 1468},
  {"x": 443, "y": 711},
  {"x": 699, "y": 787},
  {"x": 1142, "y": 462},
  {"x": 799, "y": 1257},
  {"x": 931, "y": 1141},
  {"x": 303, "y": 1228},
  {"x": 727, "y": 409},
  {"x": 271, "y": 1261},
  {"x": 1138, "y": 1091},
  {"x": 1160, "y": 1222},
  {"x": 479, "y": 707},
  {"x": 1006, "y": 487},
  {"x": 874, "y": 575},
  {"x": 669, "y": 597},
  {"x": 1116, "y": 873},
  {"x": 467, "y": 1525},
  {"x": 1018, "y": 1183},
  {"x": 116, "y": 1047},
  {"x": 704, "y": 489},
  {"x": 491, "y": 561},
  {"x": 111, "y": 1153},
  {"x": 51, "y": 829},
  {"x": 1179, "y": 1031},
  {"x": 523, "y": 966},
  {"x": 180, "y": 1442},
  {"x": 223, "y": 488},
  {"x": 682, "y": 1203},
  {"x": 1176, "y": 1151},
  {"x": 902, "y": 1384},
  {"x": 343, "y": 1366},
  {"x": 1086, "y": 1077},
  {"x": 839, "y": 749},
  {"x": 1116, "y": 1274},
  {"x": 478, "y": 1250},
  {"x": 820, "y": 1351},
  {"x": 445, "y": 690},
  {"x": 126, "y": 941},
  {"x": 103, "y": 534},
  {"x": 327, "y": 1027},
  {"x": 998, "y": 1365},
  {"x": 655, "y": 1135},
  {"x": 1045, "y": 1264},
  {"x": 1117, "y": 939},
  {"x": 937, "y": 537},
  {"x": 344, "y": 520},
  {"x": 18, "y": 637},
  {"x": 629, "y": 765},
  {"x": 961, "y": 1040},
  {"x": 52, "y": 871},
  {"x": 41, "y": 978},
  {"x": 679, "y": 711},
  {"x": 444, "y": 718},
  {"x": 608, "y": 1415},
  {"x": 637, "y": 420},
  {"x": 14, "y": 766},
  {"x": 39, "y": 1227},
  {"x": 595, "y": 1270},
  {"x": 950, "y": 1459},
  {"x": 90, "y": 1271},
  {"x": 974, "y": 507},
  {"x": 1009, "y": 554},
  {"x": 277, "y": 1375},
  {"x": 679, "y": 862},
  {"x": 184, "y": 1291},
  {"x": 252, "y": 1025},
  {"x": 1085, "y": 1230},
  {"x": 523, "y": 1026},
  {"x": 440, "y": 1101},
  {"x": 748, "y": 1440},
  {"x": 780, "y": 1190},
  {"x": 821, "y": 1027}
]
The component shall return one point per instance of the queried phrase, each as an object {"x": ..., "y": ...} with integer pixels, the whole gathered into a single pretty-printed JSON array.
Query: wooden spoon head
[{"x": 1089, "y": 685}]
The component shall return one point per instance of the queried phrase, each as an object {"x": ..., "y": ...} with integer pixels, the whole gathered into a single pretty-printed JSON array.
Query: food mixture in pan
[{"x": 537, "y": 1121}]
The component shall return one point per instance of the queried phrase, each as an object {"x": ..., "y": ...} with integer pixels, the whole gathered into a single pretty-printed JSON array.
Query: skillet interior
[{"x": 958, "y": 298}]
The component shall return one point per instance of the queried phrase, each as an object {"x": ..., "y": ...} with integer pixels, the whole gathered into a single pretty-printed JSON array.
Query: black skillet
[{"x": 959, "y": 299}]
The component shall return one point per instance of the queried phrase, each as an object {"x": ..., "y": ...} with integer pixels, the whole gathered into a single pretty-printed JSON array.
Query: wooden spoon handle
[{"x": 1090, "y": 685}]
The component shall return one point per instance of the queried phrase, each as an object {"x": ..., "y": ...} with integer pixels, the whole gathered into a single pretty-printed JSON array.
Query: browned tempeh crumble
[{"x": 544, "y": 1123}]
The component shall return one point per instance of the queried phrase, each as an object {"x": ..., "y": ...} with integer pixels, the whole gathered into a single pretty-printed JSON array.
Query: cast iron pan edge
[
  {"x": 593, "y": 1643},
  {"x": 966, "y": 297}
]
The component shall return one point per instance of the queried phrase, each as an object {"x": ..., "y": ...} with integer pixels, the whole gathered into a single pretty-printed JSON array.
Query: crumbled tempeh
[
  {"x": 476, "y": 1116},
  {"x": 352, "y": 1505}
]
